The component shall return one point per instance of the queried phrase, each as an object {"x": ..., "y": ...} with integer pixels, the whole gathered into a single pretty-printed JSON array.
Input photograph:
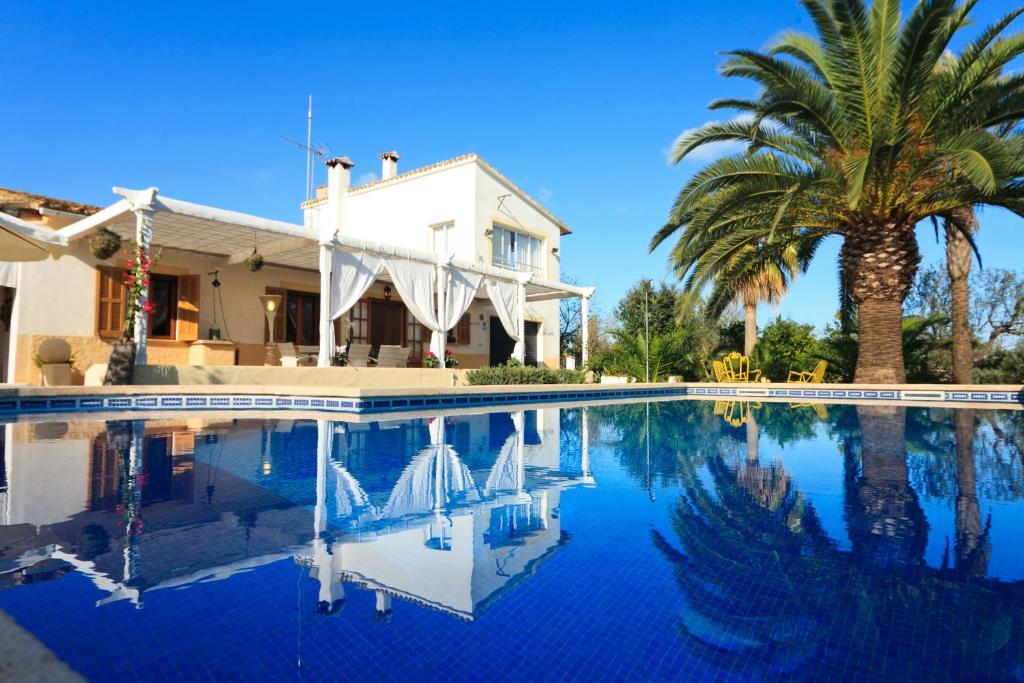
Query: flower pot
[{"x": 121, "y": 366}]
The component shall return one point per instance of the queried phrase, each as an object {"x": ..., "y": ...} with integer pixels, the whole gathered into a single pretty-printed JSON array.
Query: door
[
  {"x": 502, "y": 345},
  {"x": 532, "y": 330},
  {"x": 387, "y": 318}
]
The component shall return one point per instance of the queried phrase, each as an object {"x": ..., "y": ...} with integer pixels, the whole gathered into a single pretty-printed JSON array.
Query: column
[
  {"x": 584, "y": 331},
  {"x": 143, "y": 238},
  {"x": 15, "y": 328},
  {"x": 442, "y": 336},
  {"x": 326, "y": 326},
  {"x": 520, "y": 350}
]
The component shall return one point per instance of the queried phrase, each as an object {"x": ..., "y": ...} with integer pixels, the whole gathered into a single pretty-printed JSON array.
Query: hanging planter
[
  {"x": 254, "y": 262},
  {"x": 104, "y": 244}
]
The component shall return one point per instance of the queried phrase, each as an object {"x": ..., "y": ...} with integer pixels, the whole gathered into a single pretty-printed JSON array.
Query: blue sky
[{"x": 576, "y": 102}]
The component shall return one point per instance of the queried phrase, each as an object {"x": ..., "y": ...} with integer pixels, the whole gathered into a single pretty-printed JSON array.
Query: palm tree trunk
[
  {"x": 749, "y": 327},
  {"x": 753, "y": 452},
  {"x": 887, "y": 524},
  {"x": 878, "y": 266},
  {"x": 971, "y": 556},
  {"x": 958, "y": 264}
]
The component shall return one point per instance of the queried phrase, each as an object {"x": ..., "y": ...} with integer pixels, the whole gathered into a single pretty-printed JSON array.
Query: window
[
  {"x": 442, "y": 238},
  {"x": 361, "y": 322},
  {"x": 460, "y": 333},
  {"x": 163, "y": 294},
  {"x": 416, "y": 337},
  {"x": 175, "y": 302},
  {"x": 515, "y": 250},
  {"x": 302, "y": 318}
]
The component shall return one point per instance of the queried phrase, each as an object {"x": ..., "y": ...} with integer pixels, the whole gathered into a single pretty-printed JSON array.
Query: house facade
[{"x": 205, "y": 299}]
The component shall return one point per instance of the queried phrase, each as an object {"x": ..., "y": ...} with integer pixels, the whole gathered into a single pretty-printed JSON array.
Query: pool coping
[{"x": 19, "y": 400}]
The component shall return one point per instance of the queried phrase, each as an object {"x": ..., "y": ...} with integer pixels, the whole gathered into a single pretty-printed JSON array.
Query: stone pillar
[
  {"x": 520, "y": 350},
  {"x": 584, "y": 331},
  {"x": 326, "y": 326},
  {"x": 442, "y": 336},
  {"x": 143, "y": 238}
]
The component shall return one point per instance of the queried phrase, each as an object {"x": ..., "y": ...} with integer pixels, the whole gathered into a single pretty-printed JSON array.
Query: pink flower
[{"x": 148, "y": 307}]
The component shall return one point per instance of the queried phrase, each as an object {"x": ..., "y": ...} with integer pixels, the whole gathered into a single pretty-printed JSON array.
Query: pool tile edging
[
  {"x": 381, "y": 404},
  {"x": 197, "y": 401}
]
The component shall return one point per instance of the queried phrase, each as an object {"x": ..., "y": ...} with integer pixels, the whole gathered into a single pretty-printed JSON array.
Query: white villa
[{"x": 452, "y": 256}]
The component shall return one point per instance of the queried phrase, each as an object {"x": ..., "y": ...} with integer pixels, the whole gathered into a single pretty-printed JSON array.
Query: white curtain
[
  {"x": 351, "y": 276},
  {"x": 417, "y": 285},
  {"x": 505, "y": 297},
  {"x": 8, "y": 274},
  {"x": 459, "y": 293}
]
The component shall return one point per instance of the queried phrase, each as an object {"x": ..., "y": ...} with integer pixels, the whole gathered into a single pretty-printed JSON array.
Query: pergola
[{"x": 151, "y": 219}]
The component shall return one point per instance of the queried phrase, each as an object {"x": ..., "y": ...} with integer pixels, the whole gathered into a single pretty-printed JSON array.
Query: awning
[{"x": 21, "y": 241}]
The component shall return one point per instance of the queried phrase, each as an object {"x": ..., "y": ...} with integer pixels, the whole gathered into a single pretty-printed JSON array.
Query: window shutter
[
  {"x": 188, "y": 308},
  {"x": 462, "y": 330},
  {"x": 281, "y": 313},
  {"x": 109, "y": 302}
]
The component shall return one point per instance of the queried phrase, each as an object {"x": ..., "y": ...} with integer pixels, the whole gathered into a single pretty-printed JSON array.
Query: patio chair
[
  {"x": 722, "y": 374},
  {"x": 739, "y": 368},
  {"x": 308, "y": 355},
  {"x": 392, "y": 356},
  {"x": 359, "y": 355},
  {"x": 287, "y": 352},
  {"x": 815, "y": 376}
]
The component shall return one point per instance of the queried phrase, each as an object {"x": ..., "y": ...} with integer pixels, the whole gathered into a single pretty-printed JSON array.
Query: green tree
[
  {"x": 786, "y": 345},
  {"x": 855, "y": 132},
  {"x": 661, "y": 306}
]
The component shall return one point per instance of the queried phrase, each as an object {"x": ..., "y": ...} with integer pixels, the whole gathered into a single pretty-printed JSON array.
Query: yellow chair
[
  {"x": 739, "y": 368},
  {"x": 815, "y": 376},
  {"x": 722, "y": 374}
]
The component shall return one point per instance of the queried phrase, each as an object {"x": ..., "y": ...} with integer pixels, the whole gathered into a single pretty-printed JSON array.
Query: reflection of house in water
[{"x": 444, "y": 512}]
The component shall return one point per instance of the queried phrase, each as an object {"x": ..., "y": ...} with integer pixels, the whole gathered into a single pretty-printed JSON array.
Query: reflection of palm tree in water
[
  {"x": 768, "y": 594},
  {"x": 971, "y": 544},
  {"x": 886, "y": 522},
  {"x": 767, "y": 484}
]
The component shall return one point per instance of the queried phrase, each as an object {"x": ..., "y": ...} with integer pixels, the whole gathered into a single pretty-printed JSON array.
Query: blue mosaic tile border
[
  {"x": 382, "y": 404},
  {"x": 192, "y": 402}
]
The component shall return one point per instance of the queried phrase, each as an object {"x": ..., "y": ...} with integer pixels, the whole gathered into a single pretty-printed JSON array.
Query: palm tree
[
  {"x": 994, "y": 106},
  {"x": 757, "y": 274},
  {"x": 855, "y": 133}
]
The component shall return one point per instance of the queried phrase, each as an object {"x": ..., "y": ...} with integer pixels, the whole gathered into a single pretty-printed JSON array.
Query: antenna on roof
[{"x": 320, "y": 151}]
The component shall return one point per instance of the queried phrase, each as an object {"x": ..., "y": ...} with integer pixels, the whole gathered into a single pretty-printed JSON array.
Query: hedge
[{"x": 521, "y": 374}]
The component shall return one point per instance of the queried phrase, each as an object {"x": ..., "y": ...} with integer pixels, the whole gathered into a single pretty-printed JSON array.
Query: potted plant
[
  {"x": 431, "y": 360},
  {"x": 104, "y": 243},
  {"x": 254, "y": 262},
  {"x": 340, "y": 358},
  {"x": 121, "y": 366}
]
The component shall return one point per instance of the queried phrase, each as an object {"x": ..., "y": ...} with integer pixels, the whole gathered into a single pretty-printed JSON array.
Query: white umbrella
[{"x": 21, "y": 241}]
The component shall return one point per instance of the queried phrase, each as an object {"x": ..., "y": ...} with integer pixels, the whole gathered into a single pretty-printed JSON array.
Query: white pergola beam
[
  {"x": 548, "y": 296},
  {"x": 87, "y": 225}
]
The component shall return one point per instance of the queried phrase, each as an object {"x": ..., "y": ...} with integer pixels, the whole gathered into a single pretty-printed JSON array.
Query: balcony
[{"x": 511, "y": 263}]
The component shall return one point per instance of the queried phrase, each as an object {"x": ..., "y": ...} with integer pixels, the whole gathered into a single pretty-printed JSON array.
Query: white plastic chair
[
  {"x": 392, "y": 356},
  {"x": 359, "y": 355}
]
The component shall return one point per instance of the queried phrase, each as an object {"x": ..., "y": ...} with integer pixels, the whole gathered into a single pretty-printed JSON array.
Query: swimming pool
[{"x": 645, "y": 541}]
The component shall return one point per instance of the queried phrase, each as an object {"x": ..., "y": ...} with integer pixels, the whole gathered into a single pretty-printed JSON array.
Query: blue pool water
[{"x": 677, "y": 540}]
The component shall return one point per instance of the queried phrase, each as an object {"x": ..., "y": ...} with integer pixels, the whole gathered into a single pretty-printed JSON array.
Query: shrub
[{"x": 515, "y": 373}]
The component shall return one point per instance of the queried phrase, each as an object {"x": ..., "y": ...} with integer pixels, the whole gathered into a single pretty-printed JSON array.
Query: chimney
[
  {"x": 389, "y": 165},
  {"x": 339, "y": 178}
]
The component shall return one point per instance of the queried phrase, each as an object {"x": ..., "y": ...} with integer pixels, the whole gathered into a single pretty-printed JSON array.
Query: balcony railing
[{"x": 514, "y": 264}]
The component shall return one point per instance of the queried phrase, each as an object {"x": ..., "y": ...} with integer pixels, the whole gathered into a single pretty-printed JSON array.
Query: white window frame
[
  {"x": 525, "y": 249},
  {"x": 444, "y": 231}
]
